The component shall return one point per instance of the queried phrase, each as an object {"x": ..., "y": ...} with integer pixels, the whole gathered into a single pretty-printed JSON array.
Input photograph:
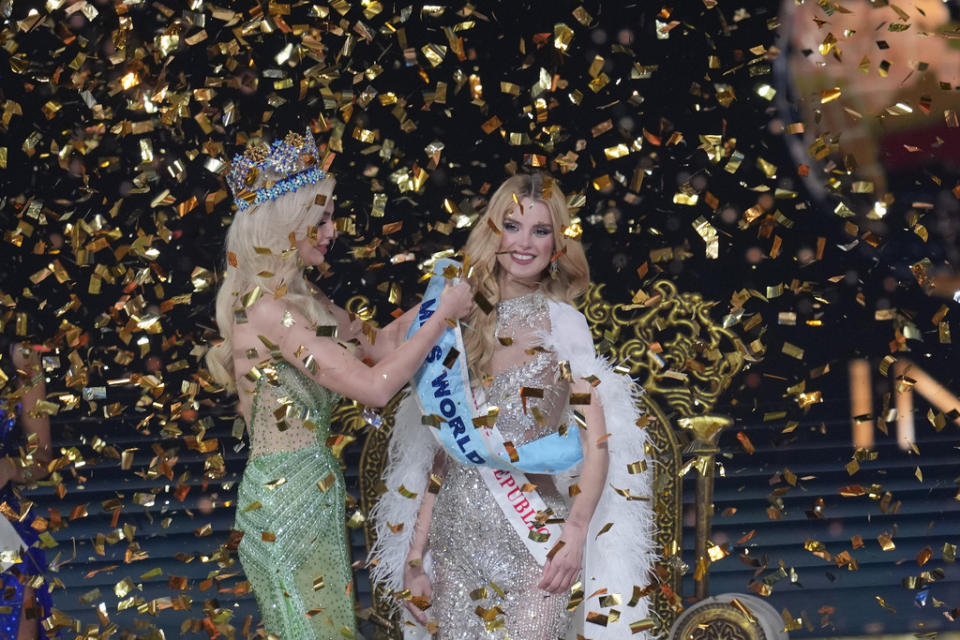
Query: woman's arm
[
  {"x": 380, "y": 343},
  {"x": 415, "y": 579},
  {"x": 332, "y": 366},
  {"x": 563, "y": 567},
  {"x": 375, "y": 343},
  {"x": 36, "y": 425}
]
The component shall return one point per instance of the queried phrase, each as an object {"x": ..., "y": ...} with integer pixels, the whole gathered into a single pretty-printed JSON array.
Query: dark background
[{"x": 94, "y": 166}]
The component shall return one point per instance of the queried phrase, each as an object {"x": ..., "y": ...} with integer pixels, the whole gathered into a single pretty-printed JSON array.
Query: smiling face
[
  {"x": 315, "y": 241},
  {"x": 526, "y": 246}
]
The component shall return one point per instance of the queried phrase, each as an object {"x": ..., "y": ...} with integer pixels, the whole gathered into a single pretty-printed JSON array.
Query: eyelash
[{"x": 543, "y": 232}]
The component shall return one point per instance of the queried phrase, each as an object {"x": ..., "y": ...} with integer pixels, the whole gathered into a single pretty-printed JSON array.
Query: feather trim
[
  {"x": 409, "y": 460},
  {"x": 620, "y": 556}
]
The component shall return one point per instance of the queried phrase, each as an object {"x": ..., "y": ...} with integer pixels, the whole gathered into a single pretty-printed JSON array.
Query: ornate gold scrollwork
[
  {"x": 718, "y": 621},
  {"x": 684, "y": 360},
  {"x": 348, "y": 417},
  {"x": 373, "y": 459}
]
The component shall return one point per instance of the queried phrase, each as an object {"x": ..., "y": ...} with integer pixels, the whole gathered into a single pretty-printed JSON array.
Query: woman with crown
[
  {"x": 289, "y": 354},
  {"x": 551, "y": 484}
]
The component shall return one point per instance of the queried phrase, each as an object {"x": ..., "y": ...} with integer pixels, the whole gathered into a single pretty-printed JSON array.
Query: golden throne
[{"x": 684, "y": 360}]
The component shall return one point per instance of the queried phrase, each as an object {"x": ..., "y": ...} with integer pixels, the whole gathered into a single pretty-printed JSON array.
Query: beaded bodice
[
  {"x": 472, "y": 544},
  {"x": 526, "y": 387},
  {"x": 289, "y": 411}
]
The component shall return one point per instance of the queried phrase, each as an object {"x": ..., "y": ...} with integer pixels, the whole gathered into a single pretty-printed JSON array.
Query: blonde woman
[
  {"x": 495, "y": 547},
  {"x": 289, "y": 354}
]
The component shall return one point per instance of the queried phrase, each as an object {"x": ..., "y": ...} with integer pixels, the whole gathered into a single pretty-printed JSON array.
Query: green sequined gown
[{"x": 290, "y": 506}]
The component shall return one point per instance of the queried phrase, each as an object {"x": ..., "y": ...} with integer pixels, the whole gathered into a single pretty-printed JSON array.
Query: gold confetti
[
  {"x": 451, "y": 358},
  {"x": 597, "y": 618},
  {"x": 406, "y": 493},
  {"x": 273, "y": 484},
  {"x": 328, "y": 481},
  {"x": 884, "y": 604},
  {"x": 637, "y": 467},
  {"x": 793, "y": 351},
  {"x": 949, "y": 552},
  {"x": 828, "y": 95},
  {"x": 886, "y": 542},
  {"x": 491, "y": 125},
  {"x": 709, "y": 235},
  {"x": 646, "y": 624}
]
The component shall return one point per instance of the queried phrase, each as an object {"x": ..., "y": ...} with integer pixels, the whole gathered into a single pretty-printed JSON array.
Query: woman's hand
[
  {"x": 417, "y": 582},
  {"x": 562, "y": 569},
  {"x": 455, "y": 301}
]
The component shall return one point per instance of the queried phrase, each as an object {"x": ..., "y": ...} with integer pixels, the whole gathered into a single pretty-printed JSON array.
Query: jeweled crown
[{"x": 266, "y": 172}]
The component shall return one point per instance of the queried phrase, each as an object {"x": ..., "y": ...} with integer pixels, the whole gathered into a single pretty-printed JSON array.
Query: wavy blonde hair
[
  {"x": 267, "y": 225},
  {"x": 481, "y": 251}
]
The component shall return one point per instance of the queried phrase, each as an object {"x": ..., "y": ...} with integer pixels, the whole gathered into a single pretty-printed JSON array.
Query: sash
[{"x": 443, "y": 389}]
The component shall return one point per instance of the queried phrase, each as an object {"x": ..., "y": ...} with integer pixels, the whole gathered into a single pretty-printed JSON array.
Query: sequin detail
[
  {"x": 471, "y": 543},
  {"x": 291, "y": 508},
  {"x": 288, "y": 415},
  {"x": 524, "y": 312},
  {"x": 33, "y": 559}
]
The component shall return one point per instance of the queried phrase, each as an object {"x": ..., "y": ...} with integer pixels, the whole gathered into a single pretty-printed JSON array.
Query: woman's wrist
[
  {"x": 414, "y": 560},
  {"x": 574, "y": 529},
  {"x": 413, "y": 567},
  {"x": 439, "y": 318}
]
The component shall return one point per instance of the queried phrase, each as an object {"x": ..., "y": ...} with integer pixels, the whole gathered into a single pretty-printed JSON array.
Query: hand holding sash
[{"x": 455, "y": 300}]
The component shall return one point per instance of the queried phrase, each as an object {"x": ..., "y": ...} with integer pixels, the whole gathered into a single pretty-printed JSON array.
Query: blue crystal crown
[{"x": 266, "y": 172}]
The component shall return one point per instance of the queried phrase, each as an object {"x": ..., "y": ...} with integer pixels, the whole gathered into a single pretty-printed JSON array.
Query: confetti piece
[{"x": 745, "y": 442}]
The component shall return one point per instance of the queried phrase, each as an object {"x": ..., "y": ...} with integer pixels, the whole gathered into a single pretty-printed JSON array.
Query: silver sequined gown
[{"x": 471, "y": 543}]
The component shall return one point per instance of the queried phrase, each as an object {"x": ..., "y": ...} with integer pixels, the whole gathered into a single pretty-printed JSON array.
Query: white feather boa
[{"x": 614, "y": 561}]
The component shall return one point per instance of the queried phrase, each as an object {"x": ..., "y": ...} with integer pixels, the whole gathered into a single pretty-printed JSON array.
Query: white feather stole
[
  {"x": 614, "y": 561},
  {"x": 622, "y": 556},
  {"x": 409, "y": 462}
]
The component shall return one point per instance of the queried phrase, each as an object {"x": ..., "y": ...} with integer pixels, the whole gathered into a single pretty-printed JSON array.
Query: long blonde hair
[
  {"x": 481, "y": 251},
  {"x": 267, "y": 226}
]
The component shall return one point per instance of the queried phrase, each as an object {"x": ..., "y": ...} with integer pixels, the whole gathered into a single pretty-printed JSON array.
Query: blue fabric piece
[
  {"x": 443, "y": 392},
  {"x": 33, "y": 559}
]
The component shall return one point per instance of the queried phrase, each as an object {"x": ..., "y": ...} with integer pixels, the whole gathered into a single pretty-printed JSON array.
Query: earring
[{"x": 554, "y": 269}]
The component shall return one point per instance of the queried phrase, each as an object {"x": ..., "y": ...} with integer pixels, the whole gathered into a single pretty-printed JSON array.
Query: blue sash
[{"x": 445, "y": 392}]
